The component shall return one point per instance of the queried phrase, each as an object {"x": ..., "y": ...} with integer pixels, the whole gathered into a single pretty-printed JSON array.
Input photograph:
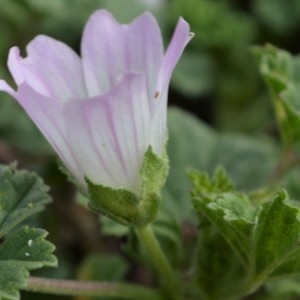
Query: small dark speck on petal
[{"x": 156, "y": 94}]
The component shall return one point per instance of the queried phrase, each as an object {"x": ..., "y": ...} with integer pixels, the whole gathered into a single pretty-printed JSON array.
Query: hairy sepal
[{"x": 126, "y": 207}]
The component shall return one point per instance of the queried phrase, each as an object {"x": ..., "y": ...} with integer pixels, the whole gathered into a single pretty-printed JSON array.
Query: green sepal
[
  {"x": 153, "y": 173},
  {"x": 125, "y": 206}
]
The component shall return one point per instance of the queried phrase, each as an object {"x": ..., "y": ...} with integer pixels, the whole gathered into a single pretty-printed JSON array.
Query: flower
[{"x": 101, "y": 111}]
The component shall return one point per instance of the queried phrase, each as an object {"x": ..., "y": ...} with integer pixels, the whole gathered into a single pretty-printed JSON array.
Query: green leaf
[
  {"x": 21, "y": 194},
  {"x": 265, "y": 238},
  {"x": 276, "y": 238},
  {"x": 24, "y": 250},
  {"x": 192, "y": 143},
  {"x": 278, "y": 67},
  {"x": 220, "y": 183},
  {"x": 230, "y": 212},
  {"x": 216, "y": 267}
]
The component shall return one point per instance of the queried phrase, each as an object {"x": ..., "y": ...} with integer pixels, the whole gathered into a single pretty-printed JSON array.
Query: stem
[
  {"x": 170, "y": 281},
  {"x": 90, "y": 289}
]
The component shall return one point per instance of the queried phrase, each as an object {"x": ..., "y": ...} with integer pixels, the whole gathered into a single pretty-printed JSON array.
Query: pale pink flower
[{"x": 101, "y": 111}]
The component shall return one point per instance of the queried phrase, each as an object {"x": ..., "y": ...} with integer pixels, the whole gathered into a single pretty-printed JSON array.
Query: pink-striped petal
[
  {"x": 144, "y": 49},
  {"x": 109, "y": 133},
  {"x": 180, "y": 39},
  {"x": 51, "y": 68},
  {"x": 110, "y": 49},
  {"x": 158, "y": 103},
  {"x": 47, "y": 117}
]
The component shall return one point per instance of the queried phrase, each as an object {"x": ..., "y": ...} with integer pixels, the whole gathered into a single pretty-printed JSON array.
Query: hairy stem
[
  {"x": 91, "y": 289},
  {"x": 168, "y": 276}
]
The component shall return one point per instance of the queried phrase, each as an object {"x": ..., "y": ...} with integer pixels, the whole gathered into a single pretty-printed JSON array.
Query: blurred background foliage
[{"x": 220, "y": 113}]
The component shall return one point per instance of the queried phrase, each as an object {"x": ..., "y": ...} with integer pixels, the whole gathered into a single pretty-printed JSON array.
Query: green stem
[
  {"x": 90, "y": 289},
  {"x": 169, "y": 278}
]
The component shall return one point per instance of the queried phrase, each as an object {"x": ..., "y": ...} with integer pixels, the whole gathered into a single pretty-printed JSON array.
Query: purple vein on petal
[
  {"x": 96, "y": 147},
  {"x": 64, "y": 156},
  {"x": 47, "y": 117},
  {"x": 137, "y": 150},
  {"x": 115, "y": 137},
  {"x": 144, "y": 48}
]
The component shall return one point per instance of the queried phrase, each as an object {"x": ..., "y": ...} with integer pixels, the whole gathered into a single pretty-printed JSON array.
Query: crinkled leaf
[
  {"x": 230, "y": 212},
  {"x": 24, "y": 250},
  {"x": 278, "y": 68},
  {"x": 217, "y": 265},
  {"x": 21, "y": 194},
  {"x": 219, "y": 183},
  {"x": 264, "y": 237}
]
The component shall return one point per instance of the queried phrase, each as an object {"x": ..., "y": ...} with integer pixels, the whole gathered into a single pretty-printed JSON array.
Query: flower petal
[
  {"x": 4, "y": 87},
  {"x": 180, "y": 39},
  {"x": 144, "y": 49},
  {"x": 110, "y": 49},
  {"x": 51, "y": 68},
  {"x": 158, "y": 103},
  {"x": 48, "y": 118},
  {"x": 109, "y": 133}
]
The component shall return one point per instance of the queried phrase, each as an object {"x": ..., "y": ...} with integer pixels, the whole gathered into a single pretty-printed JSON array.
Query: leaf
[
  {"x": 24, "y": 250},
  {"x": 21, "y": 194},
  {"x": 278, "y": 68},
  {"x": 216, "y": 267},
  {"x": 220, "y": 182},
  {"x": 192, "y": 143},
  {"x": 265, "y": 238},
  {"x": 228, "y": 211},
  {"x": 249, "y": 161},
  {"x": 276, "y": 238}
]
